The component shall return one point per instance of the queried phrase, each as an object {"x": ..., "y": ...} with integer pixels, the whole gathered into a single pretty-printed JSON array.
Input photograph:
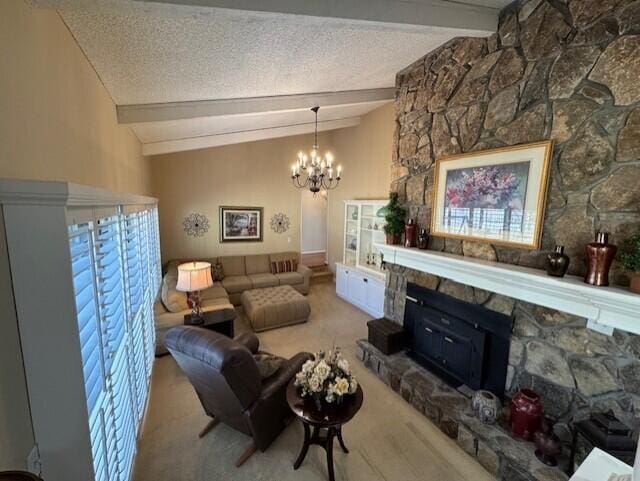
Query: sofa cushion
[
  {"x": 233, "y": 265},
  {"x": 158, "y": 308},
  {"x": 214, "y": 292},
  {"x": 215, "y": 304},
  {"x": 290, "y": 278},
  {"x": 234, "y": 284},
  {"x": 172, "y": 299},
  {"x": 257, "y": 264},
  {"x": 263, "y": 280}
]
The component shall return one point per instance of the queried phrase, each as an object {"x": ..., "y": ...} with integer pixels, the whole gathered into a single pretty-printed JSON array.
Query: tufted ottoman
[{"x": 273, "y": 307}]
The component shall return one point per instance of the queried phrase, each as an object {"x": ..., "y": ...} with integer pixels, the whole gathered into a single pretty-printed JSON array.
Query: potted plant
[
  {"x": 394, "y": 215},
  {"x": 631, "y": 262}
]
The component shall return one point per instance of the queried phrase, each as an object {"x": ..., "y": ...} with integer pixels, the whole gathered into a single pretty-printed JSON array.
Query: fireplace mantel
[{"x": 606, "y": 308}]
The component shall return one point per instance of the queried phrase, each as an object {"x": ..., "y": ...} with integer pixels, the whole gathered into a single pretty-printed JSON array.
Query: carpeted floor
[{"x": 388, "y": 439}]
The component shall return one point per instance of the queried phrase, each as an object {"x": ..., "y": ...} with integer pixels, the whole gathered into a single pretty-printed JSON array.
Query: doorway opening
[{"x": 313, "y": 230}]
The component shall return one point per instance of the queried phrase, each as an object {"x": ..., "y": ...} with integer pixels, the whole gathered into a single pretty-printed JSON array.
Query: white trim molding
[{"x": 606, "y": 308}]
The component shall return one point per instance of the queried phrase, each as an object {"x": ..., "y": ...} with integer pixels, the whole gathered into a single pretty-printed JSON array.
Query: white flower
[
  {"x": 343, "y": 364},
  {"x": 341, "y": 386},
  {"x": 315, "y": 384},
  {"x": 308, "y": 366},
  {"x": 353, "y": 385},
  {"x": 322, "y": 370}
]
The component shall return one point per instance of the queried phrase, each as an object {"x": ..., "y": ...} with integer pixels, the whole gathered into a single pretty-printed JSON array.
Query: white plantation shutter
[
  {"x": 91, "y": 345},
  {"x": 116, "y": 275}
]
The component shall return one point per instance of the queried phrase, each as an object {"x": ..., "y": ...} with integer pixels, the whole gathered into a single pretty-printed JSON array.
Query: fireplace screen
[{"x": 463, "y": 343}]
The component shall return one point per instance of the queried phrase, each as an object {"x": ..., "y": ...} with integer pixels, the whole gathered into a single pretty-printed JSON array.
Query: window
[{"x": 116, "y": 275}]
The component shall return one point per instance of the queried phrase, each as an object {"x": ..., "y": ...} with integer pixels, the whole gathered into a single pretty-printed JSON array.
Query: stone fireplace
[
  {"x": 561, "y": 70},
  {"x": 464, "y": 344}
]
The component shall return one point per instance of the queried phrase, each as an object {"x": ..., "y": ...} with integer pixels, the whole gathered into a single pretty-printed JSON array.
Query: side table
[
  {"x": 219, "y": 320},
  {"x": 330, "y": 419}
]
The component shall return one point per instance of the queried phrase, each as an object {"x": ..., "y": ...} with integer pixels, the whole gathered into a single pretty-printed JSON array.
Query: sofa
[{"x": 241, "y": 273}]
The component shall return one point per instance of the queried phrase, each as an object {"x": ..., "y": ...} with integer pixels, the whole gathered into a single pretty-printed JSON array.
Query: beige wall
[
  {"x": 250, "y": 174},
  {"x": 57, "y": 122},
  {"x": 365, "y": 152},
  {"x": 257, "y": 174}
]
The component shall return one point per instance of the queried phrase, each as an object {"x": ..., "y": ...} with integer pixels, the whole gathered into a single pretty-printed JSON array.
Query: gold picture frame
[{"x": 496, "y": 196}]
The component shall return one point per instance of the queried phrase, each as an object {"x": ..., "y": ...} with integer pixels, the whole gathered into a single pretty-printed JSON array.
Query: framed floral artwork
[
  {"x": 240, "y": 224},
  {"x": 497, "y": 195}
]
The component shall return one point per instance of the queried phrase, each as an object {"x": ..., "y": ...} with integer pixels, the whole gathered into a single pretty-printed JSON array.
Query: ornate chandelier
[{"x": 313, "y": 171}]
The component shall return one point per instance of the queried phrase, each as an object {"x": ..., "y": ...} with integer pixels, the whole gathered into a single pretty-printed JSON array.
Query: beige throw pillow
[{"x": 172, "y": 299}]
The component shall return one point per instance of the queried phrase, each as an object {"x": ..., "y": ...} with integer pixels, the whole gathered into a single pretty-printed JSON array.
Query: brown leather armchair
[{"x": 225, "y": 376}]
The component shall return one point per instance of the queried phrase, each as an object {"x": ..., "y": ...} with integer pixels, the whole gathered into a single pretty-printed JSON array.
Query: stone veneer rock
[
  {"x": 561, "y": 69},
  {"x": 503, "y": 456}
]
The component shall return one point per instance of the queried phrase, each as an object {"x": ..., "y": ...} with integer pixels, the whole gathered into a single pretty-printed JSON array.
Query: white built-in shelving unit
[{"x": 359, "y": 277}]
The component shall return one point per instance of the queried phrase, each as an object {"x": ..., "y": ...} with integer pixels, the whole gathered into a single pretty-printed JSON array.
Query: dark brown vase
[
  {"x": 600, "y": 255},
  {"x": 393, "y": 239},
  {"x": 410, "y": 234},
  {"x": 557, "y": 262},
  {"x": 548, "y": 447},
  {"x": 423, "y": 239}
]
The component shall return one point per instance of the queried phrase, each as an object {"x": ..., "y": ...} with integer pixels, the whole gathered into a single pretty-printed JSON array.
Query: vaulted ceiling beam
[
  {"x": 129, "y": 114},
  {"x": 433, "y": 13},
  {"x": 169, "y": 146}
]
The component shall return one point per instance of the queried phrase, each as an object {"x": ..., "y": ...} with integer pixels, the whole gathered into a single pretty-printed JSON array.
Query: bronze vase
[{"x": 600, "y": 255}]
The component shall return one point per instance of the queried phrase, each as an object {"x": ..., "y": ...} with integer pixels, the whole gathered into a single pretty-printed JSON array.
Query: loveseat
[{"x": 240, "y": 273}]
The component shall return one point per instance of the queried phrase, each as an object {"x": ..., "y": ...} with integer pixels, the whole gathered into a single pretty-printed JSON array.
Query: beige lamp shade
[{"x": 194, "y": 276}]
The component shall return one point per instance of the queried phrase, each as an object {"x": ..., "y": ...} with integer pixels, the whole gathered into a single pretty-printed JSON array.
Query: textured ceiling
[
  {"x": 169, "y": 54},
  {"x": 148, "y": 53}
]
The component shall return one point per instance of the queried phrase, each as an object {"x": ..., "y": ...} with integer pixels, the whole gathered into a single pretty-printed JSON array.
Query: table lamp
[{"x": 192, "y": 278}]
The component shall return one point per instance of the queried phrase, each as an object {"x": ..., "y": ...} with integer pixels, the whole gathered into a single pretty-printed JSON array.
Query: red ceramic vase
[{"x": 526, "y": 414}]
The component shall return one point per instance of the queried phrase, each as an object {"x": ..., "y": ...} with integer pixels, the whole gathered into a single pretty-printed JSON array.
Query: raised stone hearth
[{"x": 502, "y": 455}]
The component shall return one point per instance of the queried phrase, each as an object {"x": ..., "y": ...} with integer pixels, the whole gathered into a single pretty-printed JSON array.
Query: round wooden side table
[{"x": 330, "y": 419}]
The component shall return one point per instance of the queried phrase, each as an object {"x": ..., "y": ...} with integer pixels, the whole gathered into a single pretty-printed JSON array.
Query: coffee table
[
  {"x": 331, "y": 418},
  {"x": 220, "y": 320}
]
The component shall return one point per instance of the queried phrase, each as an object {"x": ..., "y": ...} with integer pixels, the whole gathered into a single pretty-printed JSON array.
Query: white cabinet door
[
  {"x": 342, "y": 282},
  {"x": 375, "y": 298},
  {"x": 357, "y": 289}
]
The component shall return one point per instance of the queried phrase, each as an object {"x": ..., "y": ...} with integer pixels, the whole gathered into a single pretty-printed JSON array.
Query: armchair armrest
[
  {"x": 249, "y": 340},
  {"x": 284, "y": 375}
]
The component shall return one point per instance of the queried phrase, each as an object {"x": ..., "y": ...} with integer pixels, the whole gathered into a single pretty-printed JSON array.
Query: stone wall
[{"x": 556, "y": 69}]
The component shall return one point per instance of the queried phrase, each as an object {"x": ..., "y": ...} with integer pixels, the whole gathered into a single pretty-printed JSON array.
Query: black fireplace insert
[{"x": 463, "y": 343}]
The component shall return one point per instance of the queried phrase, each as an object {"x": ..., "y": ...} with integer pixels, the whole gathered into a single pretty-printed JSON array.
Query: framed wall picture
[
  {"x": 240, "y": 224},
  {"x": 497, "y": 195}
]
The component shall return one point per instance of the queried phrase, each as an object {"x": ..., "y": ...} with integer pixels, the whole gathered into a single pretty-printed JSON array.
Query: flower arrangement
[{"x": 327, "y": 377}]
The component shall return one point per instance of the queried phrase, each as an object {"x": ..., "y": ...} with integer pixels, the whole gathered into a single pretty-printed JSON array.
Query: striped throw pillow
[{"x": 286, "y": 265}]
